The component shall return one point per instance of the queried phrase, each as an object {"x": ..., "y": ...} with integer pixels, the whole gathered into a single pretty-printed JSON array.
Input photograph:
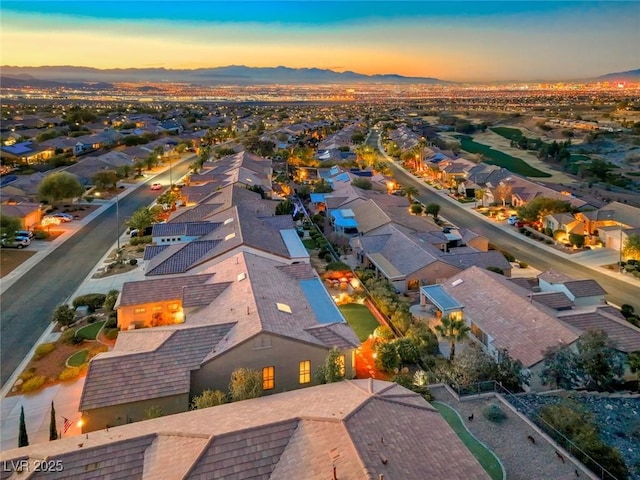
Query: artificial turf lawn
[
  {"x": 360, "y": 319},
  {"x": 486, "y": 457},
  {"x": 90, "y": 332},
  {"x": 78, "y": 358}
]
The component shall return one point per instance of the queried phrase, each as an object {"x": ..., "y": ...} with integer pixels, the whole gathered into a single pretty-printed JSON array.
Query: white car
[
  {"x": 513, "y": 219},
  {"x": 65, "y": 217},
  {"x": 18, "y": 242}
]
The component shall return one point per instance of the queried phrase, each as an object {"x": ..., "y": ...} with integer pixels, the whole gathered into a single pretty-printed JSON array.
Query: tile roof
[
  {"x": 364, "y": 427},
  {"x": 190, "y": 229},
  {"x": 554, "y": 300},
  {"x": 125, "y": 376},
  {"x": 503, "y": 311},
  {"x": 466, "y": 259},
  {"x": 180, "y": 257},
  {"x": 526, "y": 283},
  {"x": 151, "y": 251},
  {"x": 584, "y": 288},
  {"x": 611, "y": 321},
  {"x": 158, "y": 290}
]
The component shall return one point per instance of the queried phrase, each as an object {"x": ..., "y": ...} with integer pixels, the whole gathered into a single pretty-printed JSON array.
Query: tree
[
  {"x": 105, "y": 179},
  {"x": 53, "y": 430},
  {"x": 595, "y": 364},
  {"x": 538, "y": 208},
  {"x": 631, "y": 247},
  {"x": 23, "y": 438},
  {"x": 357, "y": 137},
  {"x": 416, "y": 208},
  {"x": 411, "y": 192},
  {"x": 576, "y": 240},
  {"x": 141, "y": 219},
  {"x": 363, "y": 183},
  {"x": 9, "y": 226},
  {"x": 208, "y": 398},
  {"x": 502, "y": 192},
  {"x": 480, "y": 194},
  {"x": 123, "y": 171},
  {"x": 285, "y": 207},
  {"x": 245, "y": 383},
  {"x": 387, "y": 358},
  {"x": 64, "y": 315},
  {"x": 138, "y": 166},
  {"x": 59, "y": 186},
  {"x": 432, "y": 209},
  {"x": 322, "y": 186},
  {"x": 453, "y": 330},
  {"x": 332, "y": 370}
]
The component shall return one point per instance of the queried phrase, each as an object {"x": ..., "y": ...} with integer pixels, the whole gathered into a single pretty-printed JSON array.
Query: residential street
[
  {"x": 27, "y": 305},
  {"x": 619, "y": 292}
]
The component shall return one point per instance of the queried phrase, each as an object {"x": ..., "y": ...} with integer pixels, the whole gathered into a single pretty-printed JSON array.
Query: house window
[
  {"x": 263, "y": 341},
  {"x": 479, "y": 334},
  {"x": 157, "y": 309},
  {"x": 268, "y": 378},
  {"x": 174, "y": 307},
  {"x": 139, "y": 310},
  {"x": 305, "y": 371},
  {"x": 342, "y": 364}
]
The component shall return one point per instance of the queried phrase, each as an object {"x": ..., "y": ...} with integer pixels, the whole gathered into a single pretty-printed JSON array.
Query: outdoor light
[{"x": 80, "y": 423}]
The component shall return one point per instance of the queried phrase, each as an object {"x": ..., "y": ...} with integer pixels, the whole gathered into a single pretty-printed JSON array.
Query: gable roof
[
  {"x": 158, "y": 290},
  {"x": 584, "y": 288},
  {"x": 352, "y": 424},
  {"x": 503, "y": 311}
]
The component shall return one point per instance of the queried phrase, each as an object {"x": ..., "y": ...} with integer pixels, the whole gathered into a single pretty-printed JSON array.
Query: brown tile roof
[
  {"x": 336, "y": 335},
  {"x": 585, "y": 288},
  {"x": 554, "y": 300},
  {"x": 158, "y": 290},
  {"x": 526, "y": 283},
  {"x": 302, "y": 433},
  {"x": 180, "y": 257},
  {"x": 122, "y": 376},
  {"x": 503, "y": 311},
  {"x": 202, "y": 294},
  {"x": 611, "y": 321}
]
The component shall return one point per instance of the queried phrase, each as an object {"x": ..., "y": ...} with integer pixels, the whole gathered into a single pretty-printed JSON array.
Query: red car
[
  {"x": 156, "y": 186},
  {"x": 521, "y": 223}
]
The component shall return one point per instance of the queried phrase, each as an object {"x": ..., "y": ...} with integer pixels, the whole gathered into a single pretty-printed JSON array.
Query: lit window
[
  {"x": 242, "y": 276},
  {"x": 174, "y": 307},
  {"x": 157, "y": 309},
  {"x": 139, "y": 310},
  {"x": 305, "y": 371},
  {"x": 341, "y": 363},
  {"x": 268, "y": 378}
]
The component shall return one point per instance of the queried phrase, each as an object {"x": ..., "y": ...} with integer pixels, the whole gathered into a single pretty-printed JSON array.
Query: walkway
[{"x": 522, "y": 459}]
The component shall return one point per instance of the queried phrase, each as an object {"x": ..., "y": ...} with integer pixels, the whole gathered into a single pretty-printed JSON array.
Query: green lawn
[
  {"x": 486, "y": 457},
  {"x": 78, "y": 358},
  {"x": 309, "y": 243},
  {"x": 508, "y": 133},
  {"x": 360, "y": 319},
  {"x": 90, "y": 331},
  {"x": 501, "y": 159}
]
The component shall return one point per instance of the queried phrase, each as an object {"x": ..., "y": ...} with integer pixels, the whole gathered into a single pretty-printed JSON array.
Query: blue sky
[{"x": 470, "y": 40}]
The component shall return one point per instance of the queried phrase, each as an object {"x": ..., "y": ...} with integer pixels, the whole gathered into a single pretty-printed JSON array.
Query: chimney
[
  {"x": 335, "y": 475},
  {"x": 381, "y": 476}
]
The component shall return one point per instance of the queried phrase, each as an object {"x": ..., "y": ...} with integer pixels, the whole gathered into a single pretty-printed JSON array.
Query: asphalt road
[
  {"x": 28, "y": 304},
  {"x": 619, "y": 292}
]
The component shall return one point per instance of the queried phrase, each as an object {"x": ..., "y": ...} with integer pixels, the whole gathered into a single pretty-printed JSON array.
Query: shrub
[
  {"x": 494, "y": 413},
  {"x": 43, "y": 350},
  {"x": 523, "y": 264},
  {"x": 508, "y": 256},
  {"x": 328, "y": 258},
  {"x": 111, "y": 334},
  {"x": 337, "y": 266},
  {"x": 69, "y": 373},
  {"x": 92, "y": 300},
  {"x": 139, "y": 249},
  {"x": 40, "y": 235},
  {"x": 140, "y": 240},
  {"x": 68, "y": 336},
  {"x": 558, "y": 233},
  {"x": 110, "y": 300},
  {"x": 416, "y": 209},
  {"x": 548, "y": 232},
  {"x": 496, "y": 270},
  {"x": 64, "y": 315},
  {"x": 91, "y": 319},
  {"x": 384, "y": 333},
  {"x": 548, "y": 242},
  {"x": 27, "y": 374},
  {"x": 33, "y": 384},
  {"x": 112, "y": 322},
  {"x": 133, "y": 262}
]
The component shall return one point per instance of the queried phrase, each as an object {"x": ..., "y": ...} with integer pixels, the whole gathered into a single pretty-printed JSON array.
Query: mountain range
[
  {"x": 230, "y": 75},
  {"x": 94, "y": 78}
]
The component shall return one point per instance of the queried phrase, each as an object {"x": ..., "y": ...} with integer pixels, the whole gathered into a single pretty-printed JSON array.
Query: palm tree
[
  {"x": 452, "y": 330},
  {"x": 411, "y": 192},
  {"x": 480, "y": 194},
  {"x": 141, "y": 219}
]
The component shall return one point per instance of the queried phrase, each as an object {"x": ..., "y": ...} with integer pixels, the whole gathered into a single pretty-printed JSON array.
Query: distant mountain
[
  {"x": 28, "y": 81},
  {"x": 230, "y": 75},
  {"x": 630, "y": 75}
]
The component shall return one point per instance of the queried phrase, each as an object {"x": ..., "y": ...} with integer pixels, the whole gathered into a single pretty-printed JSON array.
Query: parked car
[
  {"x": 156, "y": 186},
  {"x": 521, "y": 223},
  {"x": 145, "y": 232},
  {"x": 18, "y": 242},
  {"x": 513, "y": 219},
  {"x": 25, "y": 233}
]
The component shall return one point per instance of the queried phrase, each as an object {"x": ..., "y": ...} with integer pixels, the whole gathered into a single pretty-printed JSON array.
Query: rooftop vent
[
  {"x": 230, "y": 236},
  {"x": 228, "y": 221},
  {"x": 242, "y": 276},
  {"x": 457, "y": 282}
]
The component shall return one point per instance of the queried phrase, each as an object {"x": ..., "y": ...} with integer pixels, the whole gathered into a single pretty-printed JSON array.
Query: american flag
[{"x": 67, "y": 424}]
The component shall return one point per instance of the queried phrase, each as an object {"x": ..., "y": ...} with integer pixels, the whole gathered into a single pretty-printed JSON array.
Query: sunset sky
[{"x": 471, "y": 40}]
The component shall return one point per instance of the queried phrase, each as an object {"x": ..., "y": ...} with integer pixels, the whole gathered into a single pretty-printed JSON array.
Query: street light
[{"x": 118, "y": 221}]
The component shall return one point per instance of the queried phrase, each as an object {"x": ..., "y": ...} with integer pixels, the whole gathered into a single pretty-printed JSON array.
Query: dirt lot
[{"x": 10, "y": 259}]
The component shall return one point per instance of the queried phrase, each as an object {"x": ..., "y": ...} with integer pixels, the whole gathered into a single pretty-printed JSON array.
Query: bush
[
  {"x": 384, "y": 333},
  {"x": 328, "y": 257},
  {"x": 112, "y": 322},
  {"x": 111, "y": 334},
  {"x": 548, "y": 242},
  {"x": 40, "y": 235},
  {"x": 68, "y": 336},
  {"x": 496, "y": 270},
  {"x": 416, "y": 209},
  {"x": 92, "y": 300},
  {"x": 91, "y": 319},
  {"x": 43, "y": 350},
  {"x": 337, "y": 266},
  {"x": 508, "y": 256},
  {"x": 69, "y": 373},
  {"x": 110, "y": 300},
  {"x": 133, "y": 262},
  {"x": 494, "y": 413},
  {"x": 140, "y": 240},
  {"x": 523, "y": 264},
  {"x": 64, "y": 315},
  {"x": 27, "y": 374},
  {"x": 33, "y": 384},
  {"x": 548, "y": 232}
]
